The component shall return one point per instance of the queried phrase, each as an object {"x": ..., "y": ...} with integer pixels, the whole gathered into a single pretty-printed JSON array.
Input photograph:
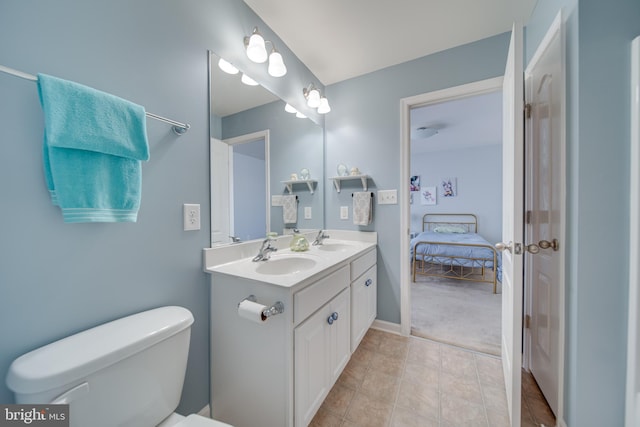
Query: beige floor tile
[
  {"x": 498, "y": 418},
  {"x": 352, "y": 375},
  {"x": 371, "y": 340},
  {"x": 421, "y": 373},
  {"x": 380, "y": 386},
  {"x": 489, "y": 370},
  {"x": 338, "y": 400},
  {"x": 457, "y": 411},
  {"x": 325, "y": 418},
  {"x": 423, "y": 399},
  {"x": 387, "y": 364},
  {"x": 394, "y": 346},
  {"x": 424, "y": 352},
  {"x": 494, "y": 397},
  {"x": 457, "y": 362},
  {"x": 460, "y": 387},
  {"x": 403, "y": 417},
  {"x": 368, "y": 412},
  {"x": 362, "y": 356}
]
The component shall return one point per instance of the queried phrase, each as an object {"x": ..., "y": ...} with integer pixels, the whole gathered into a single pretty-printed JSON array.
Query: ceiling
[
  {"x": 462, "y": 123},
  {"x": 341, "y": 39}
]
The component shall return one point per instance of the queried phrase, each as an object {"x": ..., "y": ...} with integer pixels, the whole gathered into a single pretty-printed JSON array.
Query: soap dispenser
[{"x": 299, "y": 243}]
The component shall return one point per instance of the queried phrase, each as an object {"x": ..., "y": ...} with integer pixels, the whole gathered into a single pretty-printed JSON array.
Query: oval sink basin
[{"x": 285, "y": 265}]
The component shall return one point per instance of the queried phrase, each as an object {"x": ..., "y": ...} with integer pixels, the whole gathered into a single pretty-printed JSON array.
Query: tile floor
[{"x": 398, "y": 381}]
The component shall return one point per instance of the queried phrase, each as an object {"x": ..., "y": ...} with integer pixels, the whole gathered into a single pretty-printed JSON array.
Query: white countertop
[{"x": 339, "y": 249}]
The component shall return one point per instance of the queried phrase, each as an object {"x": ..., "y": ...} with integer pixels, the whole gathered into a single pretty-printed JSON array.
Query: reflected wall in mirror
[{"x": 255, "y": 148}]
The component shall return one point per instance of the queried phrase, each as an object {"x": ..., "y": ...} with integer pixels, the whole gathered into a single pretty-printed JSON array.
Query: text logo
[{"x": 34, "y": 415}]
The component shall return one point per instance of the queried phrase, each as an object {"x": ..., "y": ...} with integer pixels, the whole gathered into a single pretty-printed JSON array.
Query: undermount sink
[{"x": 287, "y": 264}]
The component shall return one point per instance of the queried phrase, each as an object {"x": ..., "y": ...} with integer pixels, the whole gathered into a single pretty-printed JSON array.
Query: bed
[{"x": 450, "y": 246}]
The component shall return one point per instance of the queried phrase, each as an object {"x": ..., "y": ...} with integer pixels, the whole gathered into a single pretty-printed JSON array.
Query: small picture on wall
[
  {"x": 449, "y": 187},
  {"x": 415, "y": 183},
  {"x": 428, "y": 196}
]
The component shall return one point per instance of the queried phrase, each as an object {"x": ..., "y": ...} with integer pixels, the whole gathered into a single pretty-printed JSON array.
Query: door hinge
[
  {"x": 527, "y": 217},
  {"x": 527, "y": 321},
  {"x": 527, "y": 110}
]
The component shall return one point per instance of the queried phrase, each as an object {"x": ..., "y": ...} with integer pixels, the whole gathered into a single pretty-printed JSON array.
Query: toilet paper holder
[{"x": 276, "y": 308}]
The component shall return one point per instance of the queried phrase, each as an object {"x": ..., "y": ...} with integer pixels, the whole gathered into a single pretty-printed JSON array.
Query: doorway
[{"x": 457, "y": 141}]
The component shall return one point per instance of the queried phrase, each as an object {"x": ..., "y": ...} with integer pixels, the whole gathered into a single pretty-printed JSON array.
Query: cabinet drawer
[
  {"x": 363, "y": 263},
  {"x": 316, "y": 295}
]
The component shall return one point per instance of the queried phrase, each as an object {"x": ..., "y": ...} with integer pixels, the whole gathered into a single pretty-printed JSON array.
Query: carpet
[{"x": 461, "y": 313}]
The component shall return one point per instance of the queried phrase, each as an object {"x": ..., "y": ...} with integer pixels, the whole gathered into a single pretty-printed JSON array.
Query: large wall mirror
[{"x": 256, "y": 147}]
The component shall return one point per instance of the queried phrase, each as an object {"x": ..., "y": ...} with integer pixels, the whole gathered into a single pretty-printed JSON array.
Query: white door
[
  {"x": 220, "y": 193},
  {"x": 512, "y": 213},
  {"x": 544, "y": 87}
]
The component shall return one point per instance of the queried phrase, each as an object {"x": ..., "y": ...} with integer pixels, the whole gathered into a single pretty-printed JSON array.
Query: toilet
[{"x": 128, "y": 372}]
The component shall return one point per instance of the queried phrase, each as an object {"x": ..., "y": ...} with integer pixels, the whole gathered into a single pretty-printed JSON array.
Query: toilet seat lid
[{"x": 195, "y": 420}]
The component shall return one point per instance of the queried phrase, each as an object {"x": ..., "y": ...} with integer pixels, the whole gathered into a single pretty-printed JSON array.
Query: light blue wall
[
  {"x": 598, "y": 38},
  {"x": 479, "y": 176},
  {"x": 363, "y": 130},
  {"x": 57, "y": 279},
  {"x": 293, "y": 144}
]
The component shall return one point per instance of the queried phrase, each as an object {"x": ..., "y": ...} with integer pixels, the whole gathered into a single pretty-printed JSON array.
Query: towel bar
[{"x": 178, "y": 128}]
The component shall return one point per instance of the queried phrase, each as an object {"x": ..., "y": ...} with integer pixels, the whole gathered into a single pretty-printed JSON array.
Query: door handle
[
  {"x": 542, "y": 244},
  {"x": 515, "y": 248}
]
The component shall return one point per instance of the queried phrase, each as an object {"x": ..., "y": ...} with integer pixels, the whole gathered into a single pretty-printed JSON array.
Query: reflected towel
[
  {"x": 290, "y": 209},
  {"x": 93, "y": 145},
  {"x": 362, "y": 208}
]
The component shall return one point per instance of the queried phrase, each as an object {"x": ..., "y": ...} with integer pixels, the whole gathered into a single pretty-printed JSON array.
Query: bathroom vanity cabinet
[{"x": 278, "y": 372}]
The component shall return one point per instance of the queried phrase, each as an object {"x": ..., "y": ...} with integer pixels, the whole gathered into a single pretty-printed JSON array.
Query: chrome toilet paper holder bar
[{"x": 276, "y": 308}]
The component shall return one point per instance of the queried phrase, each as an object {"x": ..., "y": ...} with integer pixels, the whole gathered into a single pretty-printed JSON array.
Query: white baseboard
[{"x": 383, "y": 325}]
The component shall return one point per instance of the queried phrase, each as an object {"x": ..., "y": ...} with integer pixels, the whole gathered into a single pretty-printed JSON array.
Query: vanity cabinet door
[
  {"x": 363, "y": 305},
  {"x": 321, "y": 351}
]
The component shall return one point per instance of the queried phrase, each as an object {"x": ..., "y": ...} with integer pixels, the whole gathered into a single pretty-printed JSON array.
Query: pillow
[{"x": 450, "y": 229}]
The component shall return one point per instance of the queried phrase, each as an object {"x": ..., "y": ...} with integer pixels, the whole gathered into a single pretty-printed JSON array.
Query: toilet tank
[{"x": 128, "y": 372}]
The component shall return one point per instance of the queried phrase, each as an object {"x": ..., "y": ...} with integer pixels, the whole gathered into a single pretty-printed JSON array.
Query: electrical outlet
[
  {"x": 387, "y": 197},
  {"x": 191, "y": 217},
  {"x": 344, "y": 212},
  {"x": 307, "y": 212}
]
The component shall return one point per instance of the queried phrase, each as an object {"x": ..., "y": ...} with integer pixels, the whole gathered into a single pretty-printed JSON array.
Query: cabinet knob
[
  {"x": 368, "y": 282},
  {"x": 332, "y": 318}
]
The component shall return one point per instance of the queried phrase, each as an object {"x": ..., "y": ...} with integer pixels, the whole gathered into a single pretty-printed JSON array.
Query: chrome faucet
[
  {"x": 320, "y": 238},
  {"x": 265, "y": 250}
]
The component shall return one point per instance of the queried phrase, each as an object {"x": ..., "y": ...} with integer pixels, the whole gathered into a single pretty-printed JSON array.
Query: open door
[{"x": 512, "y": 227}]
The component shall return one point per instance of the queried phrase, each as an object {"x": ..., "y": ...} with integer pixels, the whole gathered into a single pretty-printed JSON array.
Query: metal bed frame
[{"x": 451, "y": 266}]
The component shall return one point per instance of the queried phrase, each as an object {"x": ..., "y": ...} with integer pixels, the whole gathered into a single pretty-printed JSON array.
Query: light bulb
[
  {"x": 227, "y": 67},
  {"x": 289, "y": 109},
  {"x": 324, "y": 108},
  {"x": 313, "y": 98},
  {"x": 276, "y": 65},
  {"x": 248, "y": 80},
  {"x": 300, "y": 115},
  {"x": 256, "y": 50}
]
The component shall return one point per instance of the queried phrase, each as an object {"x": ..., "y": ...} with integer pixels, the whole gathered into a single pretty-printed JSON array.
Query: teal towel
[{"x": 93, "y": 145}]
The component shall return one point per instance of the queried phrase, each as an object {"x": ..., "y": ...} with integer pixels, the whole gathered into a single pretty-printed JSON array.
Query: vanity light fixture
[
  {"x": 248, "y": 80},
  {"x": 256, "y": 47},
  {"x": 315, "y": 99},
  {"x": 300, "y": 115},
  {"x": 227, "y": 67},
  {"x": 289, "y": 109}
]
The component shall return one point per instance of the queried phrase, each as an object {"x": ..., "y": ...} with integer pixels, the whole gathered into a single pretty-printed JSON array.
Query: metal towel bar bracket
[{"x": 178, "y": 128}]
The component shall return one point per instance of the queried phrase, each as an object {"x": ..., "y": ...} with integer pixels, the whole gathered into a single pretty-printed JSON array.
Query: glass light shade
[
  {"x": 256, "y": 50},
  {"x": 313, "y": 98},
  {"x": 300, "y": 115},
  {"x": 289, "y": 109},
  {"x": 324, "y": 108},
  {"x": 227, "y": 67},
  {"x": 248, "y": 80},
  {"x": 276, "y": 65}
]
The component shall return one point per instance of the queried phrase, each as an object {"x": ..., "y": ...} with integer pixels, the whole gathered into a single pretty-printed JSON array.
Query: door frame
[
  {"x": 406, "y": 104},
  {"x": 633, "y": 343},
  {"x": 555, "y": 29}
]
